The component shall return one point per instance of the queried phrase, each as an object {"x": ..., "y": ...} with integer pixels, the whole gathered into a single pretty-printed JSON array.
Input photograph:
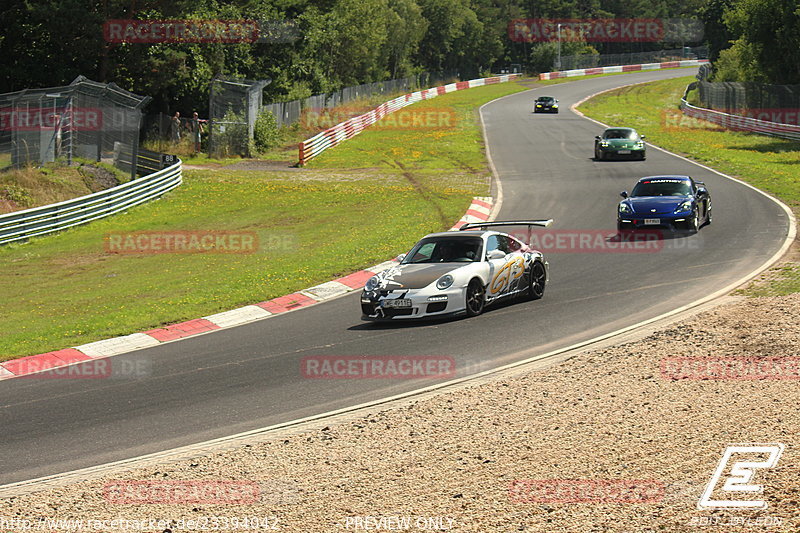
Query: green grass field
[
  {"x": 357, "y": 205},
  {"x": 771, "y": 164}
]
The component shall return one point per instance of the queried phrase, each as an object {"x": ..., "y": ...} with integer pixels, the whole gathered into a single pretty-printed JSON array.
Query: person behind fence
[
  {"x": 196, "y": 126},
  {"x": 175, "y": 127}
]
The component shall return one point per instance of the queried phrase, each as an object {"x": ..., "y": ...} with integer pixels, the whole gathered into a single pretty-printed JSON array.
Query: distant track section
[
  {"x": 620, "y": 68},
  {"x": 329, "y": 138}
]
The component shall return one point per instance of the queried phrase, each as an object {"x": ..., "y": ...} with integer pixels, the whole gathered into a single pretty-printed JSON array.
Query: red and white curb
[
  {"x": 479, "y": 211},
  {"x": 620, "y": 68}
]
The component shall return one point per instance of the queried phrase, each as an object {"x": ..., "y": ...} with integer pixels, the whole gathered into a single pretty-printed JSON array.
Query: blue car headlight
[
  {"x": 444, "y": 282},
  {"x": 625, "y": 208},
  {"x": 372, "y": 284},
  {"x": 684, "y": 207}
]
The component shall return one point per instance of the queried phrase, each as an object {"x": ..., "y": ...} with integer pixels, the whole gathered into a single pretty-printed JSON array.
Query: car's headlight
[
  {"x": 604, "y": 143},
  {"x": 444, "y": 282},
  {"x": 639, "y": 144},
  {"x": 372, "y": 284},
  {"x": 685, "y": 206},
  {"x": 625, "y": 208},
  {"x": 555, "y": 105},
  {"x": 538, "y": 105}
]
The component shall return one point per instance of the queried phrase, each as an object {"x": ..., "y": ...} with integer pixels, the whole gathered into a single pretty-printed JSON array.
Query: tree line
[
  {"x": 348, "y": 42},
  {"x": 754, "y": 40}
]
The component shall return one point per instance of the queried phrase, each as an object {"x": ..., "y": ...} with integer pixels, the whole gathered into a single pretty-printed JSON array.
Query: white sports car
[{"x": 457, "y": 273}]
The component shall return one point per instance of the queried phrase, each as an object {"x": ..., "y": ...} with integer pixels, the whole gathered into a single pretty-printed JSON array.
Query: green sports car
[{"x": 619, "y": 142}]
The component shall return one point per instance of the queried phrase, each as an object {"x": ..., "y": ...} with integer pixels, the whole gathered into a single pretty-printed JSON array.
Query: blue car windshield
[
  {"x": 662, "y": 188},
  {"x": 445, "y": 250}
]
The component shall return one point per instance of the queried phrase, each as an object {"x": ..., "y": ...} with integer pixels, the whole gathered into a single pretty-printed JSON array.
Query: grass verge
[
  {"x": 359, "y": 204},
  {"x": 54, "y": 182},
  {"x": 771, "y": 164}
]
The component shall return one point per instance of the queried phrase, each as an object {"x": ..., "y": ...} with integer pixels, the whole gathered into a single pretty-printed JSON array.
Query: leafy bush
[
  {"x": 266, "y": 133},
  {"x": 543, "y": 56},
  {"x": 16, "y": 194}
]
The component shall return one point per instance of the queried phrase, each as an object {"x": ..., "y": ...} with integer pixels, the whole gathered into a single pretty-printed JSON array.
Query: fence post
[{"x": 302, "y": 149}]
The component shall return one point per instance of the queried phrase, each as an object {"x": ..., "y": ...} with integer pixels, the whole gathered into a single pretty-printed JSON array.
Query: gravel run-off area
[{"x": 616, "y": 439}]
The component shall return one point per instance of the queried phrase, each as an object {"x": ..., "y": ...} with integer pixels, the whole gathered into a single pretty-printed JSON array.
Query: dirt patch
[
  {"x": 255, "y": 164},
  {"x": 97, "y": 178},
  {"x": 603, "y": 420}
]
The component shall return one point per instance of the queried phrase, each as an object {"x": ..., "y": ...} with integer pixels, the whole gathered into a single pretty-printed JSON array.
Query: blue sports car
[{"x": 677, "y": 202}]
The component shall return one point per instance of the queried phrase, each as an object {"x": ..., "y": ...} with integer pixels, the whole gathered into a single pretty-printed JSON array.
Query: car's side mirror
[
  {"x": 624, "y": 194},
  {"x": 496, "y": 254},
  {"x": 643, "y": 137},
  {"x": 597, "y": 137},
  {"x": 400, "y": 258}
]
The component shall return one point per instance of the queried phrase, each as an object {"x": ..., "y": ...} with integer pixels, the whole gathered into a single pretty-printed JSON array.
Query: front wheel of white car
[
  {"x": 476, "y": 297},
  {"x": 537, "y": 278}
]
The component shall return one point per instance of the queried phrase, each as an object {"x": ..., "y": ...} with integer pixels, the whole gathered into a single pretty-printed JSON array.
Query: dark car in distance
[{"x": 545, "y": 104}]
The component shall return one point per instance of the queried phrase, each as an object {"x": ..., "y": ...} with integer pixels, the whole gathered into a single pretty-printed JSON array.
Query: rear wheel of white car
[
  {"x": 537, "y": 278},
  {"x": 476, "y": 297}
]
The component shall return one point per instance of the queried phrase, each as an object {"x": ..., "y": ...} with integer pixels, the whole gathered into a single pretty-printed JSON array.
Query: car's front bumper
[
  {"x": 640, "y": 221},
  {"x": 425, "y": 303},
  {"x": 622, "y": 152},
  {"x": 545, "y": 110}
]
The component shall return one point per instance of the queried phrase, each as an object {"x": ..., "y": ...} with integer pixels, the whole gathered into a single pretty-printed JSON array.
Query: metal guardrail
[
  {"x": 738, "y": 122},
  {"x": 329, "y": 138},
  {"x": 22, "y": 225}
]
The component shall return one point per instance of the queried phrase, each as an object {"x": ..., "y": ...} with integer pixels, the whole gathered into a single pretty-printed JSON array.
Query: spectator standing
[
  {"x": 175, "y": 127},
  {"x": 197, "y": 129}
]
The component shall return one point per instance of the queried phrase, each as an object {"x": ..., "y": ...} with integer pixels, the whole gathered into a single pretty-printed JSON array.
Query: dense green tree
[
  {"x": 339, "y": 42},
  {"x": 768, "y": 34}
]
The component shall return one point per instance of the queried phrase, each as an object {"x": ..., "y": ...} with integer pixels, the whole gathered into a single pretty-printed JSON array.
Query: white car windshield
[{"x": 445, "y": 250}]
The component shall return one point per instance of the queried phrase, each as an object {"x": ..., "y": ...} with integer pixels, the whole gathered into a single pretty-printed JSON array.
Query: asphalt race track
[{"x": 249, "y": 377}]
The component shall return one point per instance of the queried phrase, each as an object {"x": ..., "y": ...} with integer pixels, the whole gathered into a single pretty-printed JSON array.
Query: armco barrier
[
  {"x": 37, "y": 221},
  {"x": 350, "y": 128},
  {"x": 739, "y": 122},
  {"x": 620, "y": 68}
]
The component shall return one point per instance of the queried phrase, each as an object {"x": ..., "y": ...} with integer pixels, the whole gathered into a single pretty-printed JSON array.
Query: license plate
[
  {"x": 623, "y": 151},
  {"x": 655, "y": 221},
  {"x": 396, "y": 303}
]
